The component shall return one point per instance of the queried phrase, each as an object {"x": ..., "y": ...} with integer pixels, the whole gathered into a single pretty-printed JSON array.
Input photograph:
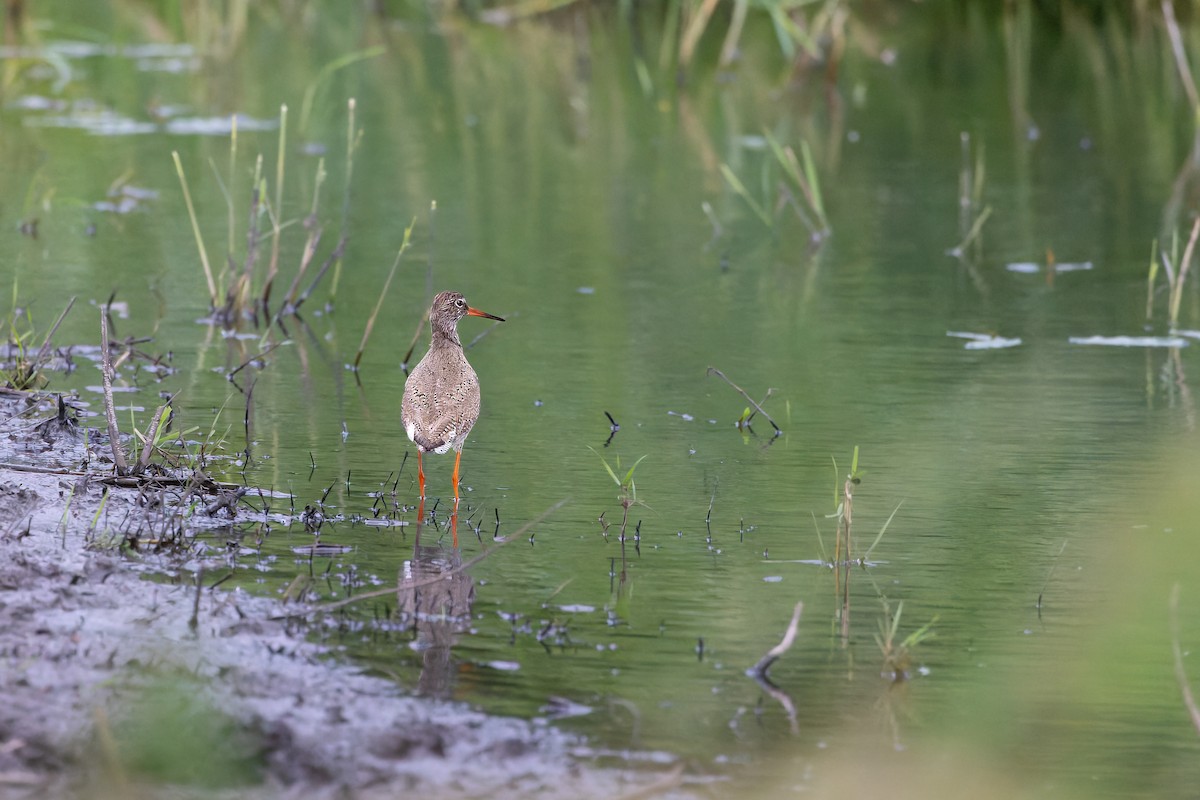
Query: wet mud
[{"x": 118, "y": 684}]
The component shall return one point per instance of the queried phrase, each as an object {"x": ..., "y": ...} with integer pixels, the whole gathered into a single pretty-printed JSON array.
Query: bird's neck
[{"x": 445, "y": 338}]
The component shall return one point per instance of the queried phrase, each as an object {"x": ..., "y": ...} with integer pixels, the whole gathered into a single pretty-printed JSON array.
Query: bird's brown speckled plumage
[{"x": 441, "y": 395}]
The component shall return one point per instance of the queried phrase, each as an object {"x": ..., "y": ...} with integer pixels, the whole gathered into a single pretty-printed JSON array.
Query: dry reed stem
[
  {"x": 695, "y": 29},
  {"x": 847, "y": 522},
  {"x": 1180, "y": 53},
  {"x": 110, "y": 413},
  {"x": 1177, "y": 284},
  {"x": 213, "y": 295},
  {"x": 280, "y": 162},
  {"x": 351, "y": 146}
]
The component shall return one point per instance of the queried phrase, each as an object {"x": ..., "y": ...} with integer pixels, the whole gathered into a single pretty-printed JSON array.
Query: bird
[{"x": 441, "y": 395}]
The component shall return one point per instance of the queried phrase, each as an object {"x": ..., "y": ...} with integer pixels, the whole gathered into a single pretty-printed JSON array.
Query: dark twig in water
[
  {"x": 246, "y": 417},
  {"x": 110, "y": 413},
  {"x": 439, "y": 578},
  {"x": 613, "y": 427},
  {"x": 759, "y": 670},
  {"x": 1189, "y": 701},
  {"x": 750, "y": 400},
  {"x": 229, "y": 375},
  {"x": 194, "y": 621},
  {"x": 334, "y": 258},
  {"x": 708, "y": 516}
]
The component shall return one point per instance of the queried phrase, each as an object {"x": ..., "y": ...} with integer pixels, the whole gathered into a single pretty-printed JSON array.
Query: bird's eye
[{"x": 460, "y": 302}]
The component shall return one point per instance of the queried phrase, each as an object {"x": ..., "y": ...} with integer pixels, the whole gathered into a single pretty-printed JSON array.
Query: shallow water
[{"x": 569, "y": 202}]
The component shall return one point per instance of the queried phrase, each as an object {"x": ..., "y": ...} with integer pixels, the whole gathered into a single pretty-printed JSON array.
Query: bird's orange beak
[{"x": 475, "y": 312}]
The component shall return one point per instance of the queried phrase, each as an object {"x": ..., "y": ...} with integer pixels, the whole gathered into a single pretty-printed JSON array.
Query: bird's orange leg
[
  {"x": 454, "y": 525},
  {"x": 420, "y": 476},
  {"x": 457, "y": 459}
]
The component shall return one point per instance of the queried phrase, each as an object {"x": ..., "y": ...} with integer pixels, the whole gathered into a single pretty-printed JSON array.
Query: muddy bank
[{"x": 117, "y": 685}]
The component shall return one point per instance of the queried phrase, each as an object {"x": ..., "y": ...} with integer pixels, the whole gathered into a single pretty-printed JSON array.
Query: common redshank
[{"x": 441, "y": 395}]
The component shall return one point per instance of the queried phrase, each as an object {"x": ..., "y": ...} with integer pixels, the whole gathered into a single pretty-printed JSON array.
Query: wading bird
[{"x": 441, "y": 395}]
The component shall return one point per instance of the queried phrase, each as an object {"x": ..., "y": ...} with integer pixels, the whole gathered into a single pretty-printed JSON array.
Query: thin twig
[
  {"x": 750, "y": 400},
  {"x": 251, "y": 360},
  {"x": 334, "y": 257},
  {"x": 383, "y": 294},
  {"x": 41, "y": 354},
  {"x": 764, "y": 663},
  {"x": 416, "y": 337}
]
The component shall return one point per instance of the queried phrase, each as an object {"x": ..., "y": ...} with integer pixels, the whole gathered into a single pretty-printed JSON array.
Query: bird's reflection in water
[{"x": 434, "y": 597}]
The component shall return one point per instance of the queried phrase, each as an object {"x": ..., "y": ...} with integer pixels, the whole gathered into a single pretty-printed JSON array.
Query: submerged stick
[
  {"x": 759, "y": 670},
  {"x": 749, "y": 399},
  {"x": 110, "y": 413}
]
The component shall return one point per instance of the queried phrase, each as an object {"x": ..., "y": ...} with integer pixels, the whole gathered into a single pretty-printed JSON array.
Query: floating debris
[
  {"x": 218, "y": 126},
  {"x": 124, "y": 200},
  {"x": 1032, "y": 268},
  {"x": 386, "y": 523},
  {"x": 1130, "y": 341},
  {"x": 322, "y": 549},
  {"x": 984, "y": 341},
  {"x": 1025, "y": 267},
  {"x": 560, "y": 707},
  {"x": 577, "y": 608},
  {"x": 98, "y": 122}
]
